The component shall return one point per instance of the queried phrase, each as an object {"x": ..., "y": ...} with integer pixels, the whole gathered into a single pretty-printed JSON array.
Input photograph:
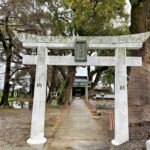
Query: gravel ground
[
  {"x": 15, "y": 127},
  {"x": 139, "y": 132}
]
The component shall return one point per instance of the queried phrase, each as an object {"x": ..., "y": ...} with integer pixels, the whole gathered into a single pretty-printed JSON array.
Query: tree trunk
[
  {"x": 32, "y": 82},
  {"x": 139, "y": 81},
  {"x": 13, "y": 90},
  {"x": 62, "y": 96},
  {"x": 71, "y": 81},
  {"x": 140, "y": 17},
  {"x": 53, "y": 83},
  {"x": 66, "y": 88},
  {"x": 4, "y": 100},
  {"x": 49, "y": 95}
]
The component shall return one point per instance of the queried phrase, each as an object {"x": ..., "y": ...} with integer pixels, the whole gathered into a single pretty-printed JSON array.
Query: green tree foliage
[
  {"x": 14, "y": 15},
  {"x": 94, "y": 17},
  {"x": 87, "y": 18},
  {"x": 107, "y": 77},
  {"x": 63, "y": 93}
]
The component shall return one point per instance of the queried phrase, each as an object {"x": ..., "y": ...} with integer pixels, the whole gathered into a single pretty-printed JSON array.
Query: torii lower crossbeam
[{"x": 91, "y": 61}]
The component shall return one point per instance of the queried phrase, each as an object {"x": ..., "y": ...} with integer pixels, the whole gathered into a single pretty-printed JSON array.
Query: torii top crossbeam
[
  {"x": 134, "y": 41},
  {"x": 94, "y": 42}
]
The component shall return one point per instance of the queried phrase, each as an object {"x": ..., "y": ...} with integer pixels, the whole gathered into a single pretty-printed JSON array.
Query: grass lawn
[
  {"x": 11, "y": 99},
  {"x": 14, "y": 98}
]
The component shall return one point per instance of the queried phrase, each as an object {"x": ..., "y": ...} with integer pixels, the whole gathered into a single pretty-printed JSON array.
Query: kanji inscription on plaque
[{"x": 81, "y": 50}]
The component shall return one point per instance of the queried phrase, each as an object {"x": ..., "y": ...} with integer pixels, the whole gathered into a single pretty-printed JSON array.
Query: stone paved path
[{"x": 78, "y": 131}]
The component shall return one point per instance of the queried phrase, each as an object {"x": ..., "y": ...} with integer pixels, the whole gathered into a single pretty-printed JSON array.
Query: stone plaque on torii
[{"x": 120, "y": 61}]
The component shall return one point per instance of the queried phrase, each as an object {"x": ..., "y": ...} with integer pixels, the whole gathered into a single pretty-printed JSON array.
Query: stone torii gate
[{"x": 120, "y": 61}]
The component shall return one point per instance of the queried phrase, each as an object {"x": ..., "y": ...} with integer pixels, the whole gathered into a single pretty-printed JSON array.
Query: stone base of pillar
[
  {"x": 117, "y": 142},
  {"x": 148, "y": 145},
  {"x": 41, "y": 141}
]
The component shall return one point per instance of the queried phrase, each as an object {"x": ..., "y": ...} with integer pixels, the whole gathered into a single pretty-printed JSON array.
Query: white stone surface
[
  {"x": 134, "y": 61},
  {"x": 134, "y": 38},
  {"x": 121, "y": 102},
  {"x": 69, "y": 60},
  {"x": 38, "y": 111},
  {"x": 41, "y": 141},
  {"x": 90, "y": 46},
  {"x": 148, "y": 145},
  {"x": 29, "y": 60},
  {"x": 91, "y": 61}
]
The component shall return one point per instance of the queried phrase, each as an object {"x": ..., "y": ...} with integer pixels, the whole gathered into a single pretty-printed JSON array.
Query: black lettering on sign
[
  {"x": 39, "y": 85},
  {"x": 122, "y": 87}
]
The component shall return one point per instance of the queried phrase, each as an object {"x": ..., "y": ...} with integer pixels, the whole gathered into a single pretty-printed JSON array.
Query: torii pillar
[
  {"x": 38, "y": 111},
  {"x": 121, "y": 98}
]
